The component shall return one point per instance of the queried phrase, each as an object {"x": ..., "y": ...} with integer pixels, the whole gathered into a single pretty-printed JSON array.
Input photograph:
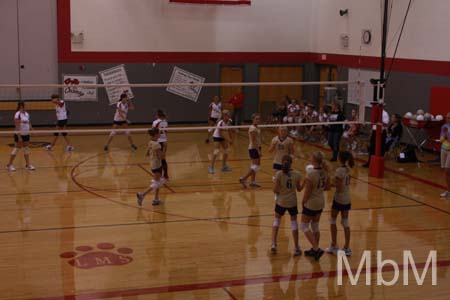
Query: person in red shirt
[{"x": 237, "y": 100}]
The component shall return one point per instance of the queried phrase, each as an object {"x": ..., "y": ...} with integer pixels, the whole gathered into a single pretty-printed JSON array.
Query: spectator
[
  {"x": 237, "y": 100},
  {"x": 394, "y": 131},
  {"x": 335, "y": 131},
  {"x": 279, "y": 114}
]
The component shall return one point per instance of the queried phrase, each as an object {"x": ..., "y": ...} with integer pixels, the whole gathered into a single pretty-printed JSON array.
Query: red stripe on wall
[
  {"x": 223, "y": 2},
  {"x": 66, "y": 55}
]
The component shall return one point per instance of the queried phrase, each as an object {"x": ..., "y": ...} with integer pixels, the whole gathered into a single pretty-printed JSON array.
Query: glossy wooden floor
[{"x": 72, "y": 229}]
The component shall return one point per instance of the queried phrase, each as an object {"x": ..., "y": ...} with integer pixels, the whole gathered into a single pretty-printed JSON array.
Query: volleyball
[{"x": 309, "y": 168}]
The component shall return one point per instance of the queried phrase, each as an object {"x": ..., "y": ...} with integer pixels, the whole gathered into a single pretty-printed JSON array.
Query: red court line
[
  {"x": 222, "y": 284},
  {"x": 151, "y": 174},
  {"x": 233, "y": 297}
]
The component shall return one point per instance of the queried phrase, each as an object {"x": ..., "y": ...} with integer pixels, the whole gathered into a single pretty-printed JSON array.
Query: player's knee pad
[
  {"x": 155, "y": 184},
  {"x": 255, "y": 168},
  {"x": 315, "y": 226},
  {"x": 344, "y": 223},
  {"x": 26, "y": 150},
  {"x": 332, "y": 221},
  {"x": 276, "y": 222},
  {"x": 64, "y": 134},
  {"x": 113, "y": 133},
  {"x": 290, "y": 120},
  {"x": 127, "y": 133},
  {"x": 294, "y": 224},
  {"x": 15, "y": 151},
  {"x": 56, "y": 133},
  {"x": 285, "y": 119},
  {"x": 216, "y": 151},
  {"x": 304, "y": 227}
]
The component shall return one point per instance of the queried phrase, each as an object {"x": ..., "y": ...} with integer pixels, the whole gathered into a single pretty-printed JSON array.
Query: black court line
[{"x": 205, "y": 219}]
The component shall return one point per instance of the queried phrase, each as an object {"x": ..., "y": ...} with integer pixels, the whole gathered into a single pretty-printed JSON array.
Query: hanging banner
[
  {"x": 76, "y": 93},
  {"x": 116, "y": 75},
  {"x": 183, "y": 76},
  {"x": 223, "y": 2}
]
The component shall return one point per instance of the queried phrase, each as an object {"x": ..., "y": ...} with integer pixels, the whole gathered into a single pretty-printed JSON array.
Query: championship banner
[
  {"x": 116, "y": 75},
  {"x": 76, "y": 93},
  {"x": 182, "y": 76},
  {"x": 222, "y": 2}
]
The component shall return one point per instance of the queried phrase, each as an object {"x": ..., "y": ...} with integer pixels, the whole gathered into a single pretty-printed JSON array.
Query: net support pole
[{"x": 377, "y": 160}]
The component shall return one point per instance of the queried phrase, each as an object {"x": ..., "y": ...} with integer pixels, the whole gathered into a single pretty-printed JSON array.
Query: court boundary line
[
  {"x": 221, "y": 218},
  {"x": 229, "y": 293},
  {"x": 245, "y": 281}
]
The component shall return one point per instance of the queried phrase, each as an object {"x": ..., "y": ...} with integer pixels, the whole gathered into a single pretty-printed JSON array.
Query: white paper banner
[
  {"x": 363, "y": 93},
  {"x": 116, "y": 75},
  {"x": 75, "y": 93},
  {"x": 183, "y": 76}
]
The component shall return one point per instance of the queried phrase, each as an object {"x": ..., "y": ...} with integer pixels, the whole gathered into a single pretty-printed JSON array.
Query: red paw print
[{"x": 86, "y": 257}]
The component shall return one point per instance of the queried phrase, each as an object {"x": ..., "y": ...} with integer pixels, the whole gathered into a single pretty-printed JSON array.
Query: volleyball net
[{"x": 305, "y": 108}]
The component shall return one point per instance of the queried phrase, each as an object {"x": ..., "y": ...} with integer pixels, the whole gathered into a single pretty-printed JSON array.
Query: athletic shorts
[
  {"x": 277, "y": 166},
  {"x": 213, "y": 119},
  {"x": 218, "y": 139},
  {"x": 293, "y": 211},
  {"x": 445, "y": 159},
  {"x": 310, "y": 212},
  {"x": 341, "y": 207},
  {"x": 158, "y": 170},
  {"x": 25, "y": 138},
  {"x": 253, "y": 153},
  {"x": 61, "y": 123},
  {"x": 119, "y": 123}
]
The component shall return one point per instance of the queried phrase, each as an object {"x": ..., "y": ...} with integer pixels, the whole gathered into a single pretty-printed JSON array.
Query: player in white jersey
[
  {"x": 61, "y": 119},
  {"x": 254, "y": 151},
  {"x": 282, "y": 145},
  {"x": 223, "y": 138},
  {"x": 22, "y": 139},
  {"x": 161, "y": 124},
  {"x": 121, "y": 121},
  {"x": 341, "y": 202},
  {"x": 293, "y": 113},
  {"x": 214, "y": 114}
]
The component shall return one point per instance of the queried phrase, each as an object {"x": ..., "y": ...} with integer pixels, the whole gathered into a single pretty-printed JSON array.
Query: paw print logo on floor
[{"x": 105, "y": 254}]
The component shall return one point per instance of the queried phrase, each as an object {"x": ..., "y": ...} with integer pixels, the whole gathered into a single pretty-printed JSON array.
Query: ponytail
[
  {"x": 286, "y": 162},
  {"x": 319, "y": 157},
  {"x": 346, "y": 158}
]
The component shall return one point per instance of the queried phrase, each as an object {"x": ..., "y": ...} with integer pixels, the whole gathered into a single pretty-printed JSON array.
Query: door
[
  {"x": 327, "y": 73},
  {"x": 38, "y": 49},
  {"x": 269, "y": 96},
  {"x": 230, "y": 74}
]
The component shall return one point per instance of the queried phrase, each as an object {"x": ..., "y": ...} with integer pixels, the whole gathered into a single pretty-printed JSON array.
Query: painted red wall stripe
[
  {"x": 66, "y": 55},
  {"x": 223, "y": 2}
]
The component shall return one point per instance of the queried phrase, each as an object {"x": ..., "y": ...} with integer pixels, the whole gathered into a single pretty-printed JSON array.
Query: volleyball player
[
  {"x": 155, "y": 154},
  {"x": 120, "y": 120},
  {"x": 214, "y": 114},
  {"x": 287, "y": 183},
  {"x": 341, "y": 202},
  {"x": 161, "y": 124},
  {"x": 222, "y": 138},
  {"x": 22, "y": 139},
  {"x": 61, "y": 118},
  {"x": 282, "y": 145},
  {"x": 445, "y": 154},
  {"x": 316, "y": 182},
  {"x": 254, "y": 150}
]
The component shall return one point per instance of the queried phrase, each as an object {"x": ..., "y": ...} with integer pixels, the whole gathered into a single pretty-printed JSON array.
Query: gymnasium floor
[{"x": 73, "y": 227}]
